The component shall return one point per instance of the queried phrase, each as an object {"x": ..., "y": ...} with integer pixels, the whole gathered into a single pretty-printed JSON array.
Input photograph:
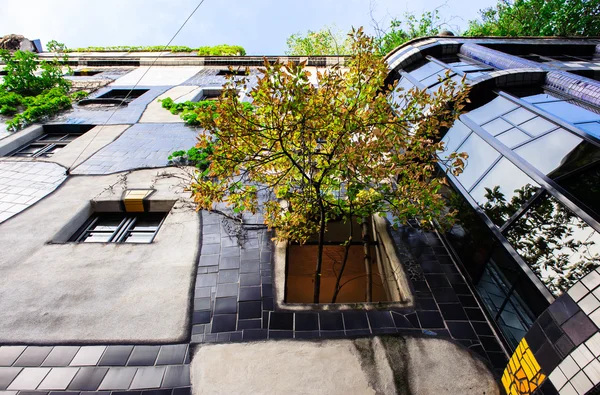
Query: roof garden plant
[{"x": 350, "y": 146}]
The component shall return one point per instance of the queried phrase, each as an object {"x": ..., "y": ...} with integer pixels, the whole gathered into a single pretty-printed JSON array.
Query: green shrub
[
  {"x": 189, "y": 110},
  {"x": 198, "y": 157}
]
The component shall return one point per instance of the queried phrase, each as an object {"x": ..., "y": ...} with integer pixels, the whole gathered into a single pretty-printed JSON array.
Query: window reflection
[
  {"x": 453, "y": 138},
  {"x": 481, "y": 157},
  {"x": 548, "y": 152},
  {"x": 556, "y": 244},
  {"x": 503, "y": 191},
  {"x": 492, "y": 110},
  {"x": 569, "y": 112}
]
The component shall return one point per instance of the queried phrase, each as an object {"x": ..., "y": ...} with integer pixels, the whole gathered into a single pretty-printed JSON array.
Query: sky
[{"x": 260, "y": 26}]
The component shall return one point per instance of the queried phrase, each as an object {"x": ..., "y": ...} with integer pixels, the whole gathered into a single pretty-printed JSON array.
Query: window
[
  {"x": 126, "y": 95},
  {"x": 55, "y": 139},
  {"x": 120, "y": 228}
]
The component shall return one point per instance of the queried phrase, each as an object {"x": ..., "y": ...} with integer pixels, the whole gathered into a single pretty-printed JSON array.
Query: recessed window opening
[
  {"x": 131, "y": 228},
  {"x": 81, "y": 73},
  {"x": 53, "y": 140},
  {"x": 128, "y": 95},
  {"x": 239, "y": 72}
]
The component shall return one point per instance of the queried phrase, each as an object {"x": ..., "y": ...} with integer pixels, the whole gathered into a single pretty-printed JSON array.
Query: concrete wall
[{"x": 72, "y": 292}]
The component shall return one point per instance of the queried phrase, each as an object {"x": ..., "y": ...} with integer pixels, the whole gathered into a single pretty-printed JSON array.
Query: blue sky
[{"x": 260, "y": 26}]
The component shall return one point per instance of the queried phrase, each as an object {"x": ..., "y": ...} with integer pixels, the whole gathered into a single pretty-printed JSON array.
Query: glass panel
[
  {"x": 98, "y": 237},
  {"x": 557, "y": 245},
  {"x": 569, "y": 112},
  {"x": 139, "y": 237},
  {"x": 426, "y": 70},
  {"x": 69, "y": 137},
  {"x": 107, "y": 224},
  {"x": 150, "y": 224},
  {"x": 54, "y": 149},
  {"x": 52, "y": 137},
  {"x": 519, "y": 116},
  {"x": 592, "y": 128},
  {"x": 481, "y": 157},
  {"x": 537, "y": 126},
  {"x": 492, "y": 110},
  {"x": 477, "y": 74},
  {"x": 508, "y": 189},
  {"x": 497, "y": 126},
  {"x": 435, "y": 79},
  {"x": 513, "y": 137},
  {"x": 542, "y": 97},
  {"x": 453, "y": 138},
  {"x": 549, "y": 151},
  {"x": 585, "y": 186}
]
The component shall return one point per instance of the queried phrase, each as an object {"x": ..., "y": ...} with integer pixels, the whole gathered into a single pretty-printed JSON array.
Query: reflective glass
[
  {"x": 493, "y": 109},
  {"x": 569, "y": 112},
  {"x": 497, "y": 126},
  {"x": 537, "y": 126},
  {"x": 548, "y": 152},
  {"x": 585, "y": 186},
  {"x": 519, "y": 116},
  {"x": 453, "y": 138},
  {"x": 52, "y": 137},
  {"x": 481, "y": 157},
  {"x": 477, "y": 74},
  {"x": 107, "y": 224},
  {"x": 98, "y": 237},
  {"x": 558, "y": 246},
  {"x": 139, "y": 237},
  {"x": 426, "y": 70},
  {"x": 592, "y": 128},
  {"x": 434, "y": 79},
  {"x": 513, "y": 137},
  {"x": 509, "y": 189},
  {"x": 542, "y": 97}
]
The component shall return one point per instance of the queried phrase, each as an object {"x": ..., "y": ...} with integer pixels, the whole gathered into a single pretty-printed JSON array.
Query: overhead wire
[{"x": 134, "y": 86}]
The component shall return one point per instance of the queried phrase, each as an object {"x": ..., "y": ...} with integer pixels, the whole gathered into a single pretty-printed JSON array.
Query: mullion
[
  {"x": 44, "y": 150},
  {"x": 83, "y": 234},
  {"x": 124, "y": 230}
]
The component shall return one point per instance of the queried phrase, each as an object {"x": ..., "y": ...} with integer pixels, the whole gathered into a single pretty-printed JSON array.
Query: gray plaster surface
[
  {"x": 24, "y": 183},
  {"x": 140, "y": 146},
  {"x": 155, "y": 113},
  {"x": 95, "y": 292},
  {"x": 380, "y": 365}
]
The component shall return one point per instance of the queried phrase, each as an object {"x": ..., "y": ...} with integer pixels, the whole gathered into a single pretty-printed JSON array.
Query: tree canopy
[
  {"x": 327, "y": 41},
  {"x": 538, "y": 18},
  {"x": 305, "y": 154}
]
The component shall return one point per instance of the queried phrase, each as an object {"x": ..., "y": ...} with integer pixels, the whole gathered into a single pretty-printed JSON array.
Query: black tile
[
  {"x": 563, "y": 308},
  {"x": 498, "y": 359},
  {"x": 426, "y": 304},
  {"x": 206, "y": 280},
  {"x": 249, "y": 324},
  {"x": 230, "y": 251},
  {"x": 355, "y": 320},
  {"x": 547, "y": 388},
  {"x": 401, "y": 322},
  {"x": 482, "y": 328},
  {"x": 249, "y": 293},
  {"x": 87, "y": 379},
  {"x": 547, "y": 357},
  {"x": 430, "y": 319},
  {"x": 182, "y": 391},
  {"x": 267, "y": 303},
  {"x": 307, "y": 322},
  {"x": 467, "y": 301},
  {"x": 380, "y": 319},
  {"x": 545, "y": 319},
  {"x": 235, "y": 336},
  {"x": 437, "y": 281},
  {"x": 564, "y": 346},
  {"x": 267, "y": 290},
  {"x": 60, "y": 356},
  {"x": 171, "y": 354},
  {"x": 444, "y": 295},
  {"x": 331, "y": 321},
  {"x": 250, "y": 266},
  {"x": 200, "y": 317},
  {"x": 281, "y": 321},
  {"x": 431, "y": 267},
  {"x": 306, "y": 334},
  {"x": 420, "y": 286},
  {"x": 250, "y": 253},
  {"x": 479, "y": 350},
  {"x": 579, "y": 328},
  {"x": 229, "y": 262},
  {"x": 223, "y": 323},
  {"x": 143, "y": 356},
  {"x": 254, "y": 334},
  {"x": 224, "y": 290},
  {"x": 475, "y": 314},
  {"x": 250, "y": 310},
  {"x": 553, "y": 331},
  {"x": 358, "y": 333},
  {"x": 535, "y": 337},
  {"x": 115, "y": 356},
  {"x": 33, "y": 356},
  {"x": 156, "y": 392},
  {"x": 455, "y": 279},
  {"x": 490, "y": 343},
  {"x": 223, "y": 337},
  {"x": 226, "y": 305},
  {"x": 281, "y": 334},
  {"x": 332, "y": 334},
  {"x": 7, "y": 375},
  {"x": 461, "y": 330},
  {"x": 265, "y": 319},
  {"x": 383, "y": 331},
  {"x": 449, "y": 269},
  {"x": 413, "y": 319},
  {"x": 453, "y": 311},
  {"x": 228, "y": 276},
  {"x": 461, "y": 289},
  {"x": 176, "y": 376},
  {"x": 249, "y": 279}
]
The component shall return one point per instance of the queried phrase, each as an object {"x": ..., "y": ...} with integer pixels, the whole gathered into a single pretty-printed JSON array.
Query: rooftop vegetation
[{"x": 217, "y": 50}]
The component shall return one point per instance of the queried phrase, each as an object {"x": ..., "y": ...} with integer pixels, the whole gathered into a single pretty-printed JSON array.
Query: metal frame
[
  {"x": 47, "y": 145},
  {"x": 121, "y": 233}
]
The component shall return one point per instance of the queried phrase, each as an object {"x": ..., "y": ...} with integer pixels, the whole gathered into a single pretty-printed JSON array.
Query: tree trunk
[
  {"x": 366, "y": 250},
  {"x": 317, "y": 290},
  {"x": 336, "y": 290}
]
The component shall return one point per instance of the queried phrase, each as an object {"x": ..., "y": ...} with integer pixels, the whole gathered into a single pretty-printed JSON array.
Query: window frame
[
  {"x": 123, "y": 231},
  {"x": 47, "y": 145}
]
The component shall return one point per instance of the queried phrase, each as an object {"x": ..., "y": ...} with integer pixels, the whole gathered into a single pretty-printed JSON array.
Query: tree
[
  {"x": 305, "y": 155},
  {"x": 401, "y": 31},
  {"x": 538, "y": 18},
  {"x": 327, "y": 41}
]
